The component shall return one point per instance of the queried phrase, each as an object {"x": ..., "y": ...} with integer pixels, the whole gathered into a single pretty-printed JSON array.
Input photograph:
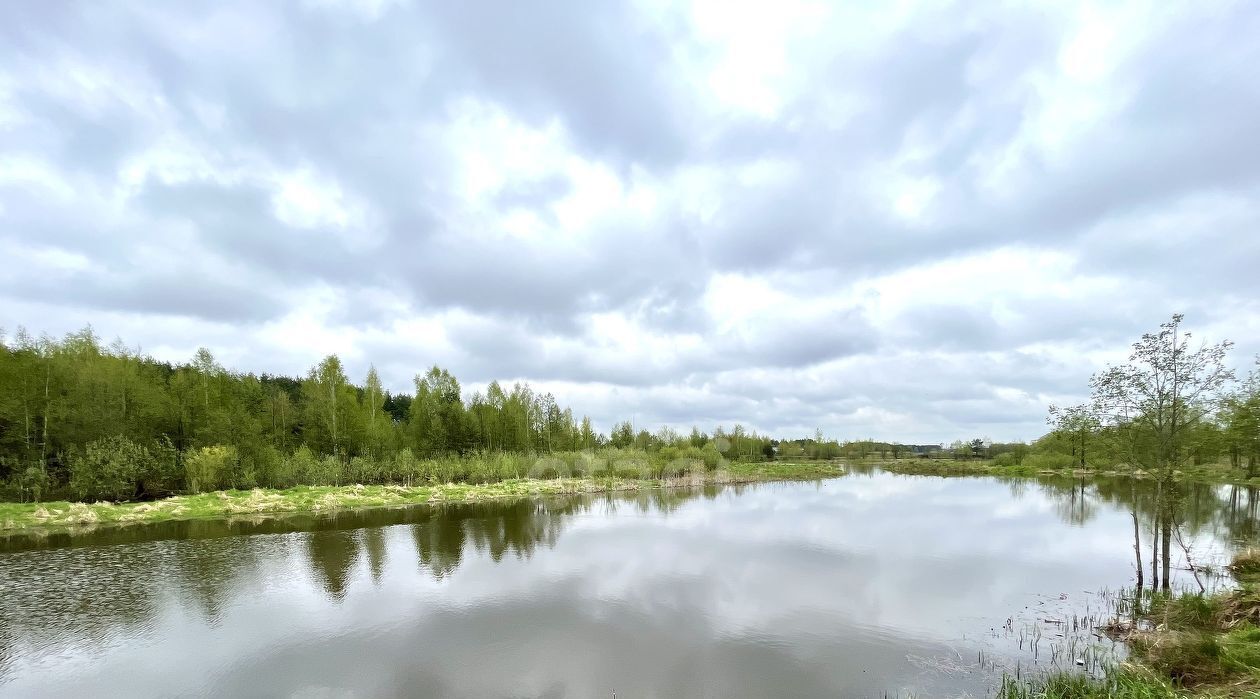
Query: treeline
[
  {"x": 1173, "y": 406},
  {"x": 84, "y": 420},
  {"x": 977, "y": 448}
]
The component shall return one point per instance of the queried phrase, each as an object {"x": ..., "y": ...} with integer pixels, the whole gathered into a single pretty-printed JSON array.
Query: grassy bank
[
  {"x": 1204, "y": 645},
  {"x": 50, "y": 516},
  {"x": 1207, "y": 473}
]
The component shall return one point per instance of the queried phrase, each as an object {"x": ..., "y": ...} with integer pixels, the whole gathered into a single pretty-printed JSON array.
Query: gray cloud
[{"x": 931, "y": 229}]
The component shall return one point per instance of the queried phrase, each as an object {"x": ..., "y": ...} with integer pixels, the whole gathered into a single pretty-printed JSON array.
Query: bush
[
  {"x": 711, "y": 456},
  {"x": 1006, "y": 459},
  {"x": 206, "y": 468},
  {"x": 365, "y": 469},
  {"x": 1049, "y": 461},
  {"x": 303, "y": 465},
  {"x": 110, "y": 469},
  {"x": 33, "y": 481},
  {"x": 164, "y": 475},
  {"x": 404, "y": 467},
  {"x": 549, "y": 467},
  {"x": 264, "y": 466},
  {"x": 327, "y": 471}
]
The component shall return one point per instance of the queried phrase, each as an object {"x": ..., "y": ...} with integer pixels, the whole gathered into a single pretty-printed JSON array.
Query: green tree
[
  {"x": 1241, "y": 424},
  {"x": 1165, "y": 391},
  {"x": 1078, "y": 425},
  {"x": 113, "y": 468},
  {"x": 331, "y": 404}
]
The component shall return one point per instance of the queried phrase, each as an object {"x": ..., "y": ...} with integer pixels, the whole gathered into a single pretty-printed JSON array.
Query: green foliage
[
  {"x": 203, "y": 426},
  {"x": 52, "y": 515},
  {"x": 263, "y": 466},
  {"x": 1127, "y": 683},
  {"x": 110, "y": 469},
  {"x": 1246, "y": 562},
  {"x": 1049, "y": 461},
  {"x": 32, "y": 482},
  {"x": 710, "y": 456},
  {"x": 1194, "y": 657},
  {"x": 207, "y": 468},
  {"x": 1007, "y": 459}
]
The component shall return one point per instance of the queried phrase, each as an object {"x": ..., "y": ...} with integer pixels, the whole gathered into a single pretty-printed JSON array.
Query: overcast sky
[{"x": 920, "y": 222}]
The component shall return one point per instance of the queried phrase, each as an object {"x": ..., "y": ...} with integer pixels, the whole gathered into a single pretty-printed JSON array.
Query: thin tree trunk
[
  {"x": 1166, "y": 535},
  {"x": 1137, "y": 544},
  {"x": 26, "y": 415},
  {"x": 1181, "y": 541},
  {"x": 43, "y": 449},
  {"x": 332, "y": 392}
]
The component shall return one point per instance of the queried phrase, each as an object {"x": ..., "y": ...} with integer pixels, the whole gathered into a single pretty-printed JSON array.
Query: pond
[{"x": 871, "y": 584}]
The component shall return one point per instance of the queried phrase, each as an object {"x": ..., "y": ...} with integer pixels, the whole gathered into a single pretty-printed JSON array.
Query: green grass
[
  {"x": 950, "y": 467},
  {"x": 52, "y": 516},
  {"x": 774, "y": 470},
  {"x": 1203, "y": 473},
  {"x": 1126, "y": 683},
  {"x": 1205, "y": 645},
  {"x": 1247, "y": 563}
]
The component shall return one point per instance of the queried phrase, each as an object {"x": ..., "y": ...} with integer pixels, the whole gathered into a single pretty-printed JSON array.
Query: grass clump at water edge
[
  {"x": 51, "y": 516},
  {"x": 1190, "y": 644}
]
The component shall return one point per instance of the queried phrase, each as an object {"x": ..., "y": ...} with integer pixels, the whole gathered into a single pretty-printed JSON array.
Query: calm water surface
[{"x": 867, "y": 585}]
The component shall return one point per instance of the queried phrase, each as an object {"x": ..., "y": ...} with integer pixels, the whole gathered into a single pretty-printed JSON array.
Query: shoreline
[
  {"x": 915, "y": 467},
  {"x": 63, "y": 516},
  {"x": 1186, "y": 644},
  {"x": 38, "y": 519}
]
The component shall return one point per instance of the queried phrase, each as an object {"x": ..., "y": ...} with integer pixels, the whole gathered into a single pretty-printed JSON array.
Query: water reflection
[{"x": 857, "y": 586}]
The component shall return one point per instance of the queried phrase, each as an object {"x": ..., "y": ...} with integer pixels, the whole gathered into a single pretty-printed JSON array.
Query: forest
[{"x": 83, "y": 420}]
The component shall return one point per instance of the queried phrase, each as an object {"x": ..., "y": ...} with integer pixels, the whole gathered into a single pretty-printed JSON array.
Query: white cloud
[{"x": 916, "y": 221}]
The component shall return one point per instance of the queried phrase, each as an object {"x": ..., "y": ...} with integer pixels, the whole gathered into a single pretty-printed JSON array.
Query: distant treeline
[{"x": 84, "y": 420}]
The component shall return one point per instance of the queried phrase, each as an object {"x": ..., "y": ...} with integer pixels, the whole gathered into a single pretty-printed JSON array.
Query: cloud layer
[{"x": 918, "y": 224}]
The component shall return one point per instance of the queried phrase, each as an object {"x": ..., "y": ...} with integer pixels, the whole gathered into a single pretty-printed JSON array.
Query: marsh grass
[
  {"x": 1190, "y": 644},
  {"x": 53, "y": 516},
  {"x": 1246, "y": 563},
  {"x": 1130, "y": 682},
  {"x": 1032, "y": 466}
]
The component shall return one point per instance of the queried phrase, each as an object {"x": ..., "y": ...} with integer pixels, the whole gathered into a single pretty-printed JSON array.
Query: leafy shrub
[
  {"x": 33, "y": 481},
  {"x": 207, "y": 468},
  {"x": 110, "y": 469},
  {"x": 1006, "y": 459},
  {"x": 327, "y": 471},
  {"x": 404, "y": 467},
  {"x": 303, "y": 465},
  {"x": 364, "y": 469},
  {"x": 711, "y": 457},
  {"x": 264, "y": 466},
  {"x": 164, "y": 475},
  {"x": 1049, "y": 461},
  {"x": 549, "y": 467}
]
